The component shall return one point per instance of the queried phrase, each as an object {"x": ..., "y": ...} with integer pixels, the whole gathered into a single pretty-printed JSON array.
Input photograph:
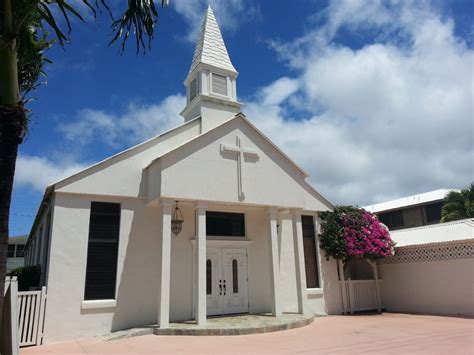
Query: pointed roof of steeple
[{"x": 210, "y": 48}]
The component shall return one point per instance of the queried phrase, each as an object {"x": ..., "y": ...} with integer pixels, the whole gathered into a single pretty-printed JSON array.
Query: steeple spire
[
  {"x": 211, "y": 88},
  {"x": 210, "y": 48}
]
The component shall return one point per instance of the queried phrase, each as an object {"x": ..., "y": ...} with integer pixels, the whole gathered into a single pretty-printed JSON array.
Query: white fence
[
  {"x": 360, "y": 295},
  {"x": 31, "y": 308},
  {"x": 8, "y": 329}
]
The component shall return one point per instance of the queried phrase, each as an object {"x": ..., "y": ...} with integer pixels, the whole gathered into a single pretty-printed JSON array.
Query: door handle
[
  {"x": 225, "y": 288},
  {"x": 220, "y": 287}
]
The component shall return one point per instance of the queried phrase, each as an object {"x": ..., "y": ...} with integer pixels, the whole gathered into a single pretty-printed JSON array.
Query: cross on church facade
[{"x": 241, "y": 153}]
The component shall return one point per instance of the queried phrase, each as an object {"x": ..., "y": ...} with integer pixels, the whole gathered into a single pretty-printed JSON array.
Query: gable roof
[
  {"x": 151, "y": 140},
  {"x": 210, "y": 48},
  {"x": 242, "y": 117}
]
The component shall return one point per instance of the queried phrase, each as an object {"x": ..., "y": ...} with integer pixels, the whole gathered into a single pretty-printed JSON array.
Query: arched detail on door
[
  {"x": 235, "y": 276},
  {"x": 209, "y": 277}
]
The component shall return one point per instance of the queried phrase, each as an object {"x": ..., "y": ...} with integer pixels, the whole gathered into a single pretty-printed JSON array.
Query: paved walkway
[
  {"x": 244, "y": 324},
  {"x": 365, "y": 334}
]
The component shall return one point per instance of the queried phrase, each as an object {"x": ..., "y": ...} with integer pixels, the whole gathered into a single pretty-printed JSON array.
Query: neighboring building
[
  {"x": 432, "y": 270},
  {"x": 16, "y": 252},
  {"x": 248, "y": 242},
  {"x": 412, "y": 211}
]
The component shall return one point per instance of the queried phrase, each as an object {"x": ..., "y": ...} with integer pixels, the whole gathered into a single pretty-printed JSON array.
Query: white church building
[{"x": 208, "y": 218}]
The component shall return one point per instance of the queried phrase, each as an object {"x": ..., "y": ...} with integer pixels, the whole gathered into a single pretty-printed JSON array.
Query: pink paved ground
[{"x": 375, "y": 334}]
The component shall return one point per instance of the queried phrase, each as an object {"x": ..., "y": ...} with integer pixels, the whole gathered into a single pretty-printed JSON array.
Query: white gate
[
  {"x": 31, "y": 308},
  {"x": 360, "y": 295}
]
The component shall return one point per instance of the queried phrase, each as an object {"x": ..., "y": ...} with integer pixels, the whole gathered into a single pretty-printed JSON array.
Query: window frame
[
  {"x": 196, "y": 86},
  {"x": 228, "y": 237},
  {"x": 102, "y": 302},
  {"x": 319, "y": 289}
]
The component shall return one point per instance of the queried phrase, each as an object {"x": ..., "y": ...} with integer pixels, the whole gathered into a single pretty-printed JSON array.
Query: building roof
[
  {"x": 413, "y": 200},
  {"x": 210, "y": 47},
  {"x": 18, "y": 239},
  {"x": 435, "y": 233}
]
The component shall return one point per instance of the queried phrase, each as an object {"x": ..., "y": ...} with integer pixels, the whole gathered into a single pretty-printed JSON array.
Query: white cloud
[
  {"x": 37, "y": 173},
  {"x": 389, "y": 119},
  {"x": 137, "y": 123},
  {"x": 230, "y": 13}
]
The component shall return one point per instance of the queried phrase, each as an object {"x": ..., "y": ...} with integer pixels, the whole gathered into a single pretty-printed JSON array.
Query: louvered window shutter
[
  {"x": 309, "y": 246},
  {"x": 101, "y": 272},
  {"x": 219, "y": 84}
]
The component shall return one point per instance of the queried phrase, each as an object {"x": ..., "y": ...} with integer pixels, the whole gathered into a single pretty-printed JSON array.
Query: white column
[
  {"x": 299, "y": 262},
  {"x": 165, "y": 264},
  {"x": 200, "y": 258},
  {"x": 274, "y": 260}
]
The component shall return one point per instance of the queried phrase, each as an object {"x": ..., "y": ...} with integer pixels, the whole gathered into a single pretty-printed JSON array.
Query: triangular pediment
[{"x": 233, "y": 163}]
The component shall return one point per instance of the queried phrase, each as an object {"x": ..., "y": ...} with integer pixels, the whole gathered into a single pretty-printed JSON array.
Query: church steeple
[{"x": 211, "y": 89}]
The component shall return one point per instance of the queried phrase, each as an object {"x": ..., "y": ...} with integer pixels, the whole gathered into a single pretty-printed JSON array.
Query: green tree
[
  {"x": 27, "y": 29},
  {"x": 458, "y": 205}
]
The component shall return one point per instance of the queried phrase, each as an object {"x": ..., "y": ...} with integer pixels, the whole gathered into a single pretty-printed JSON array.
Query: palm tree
[
  {"x": 458, "y": 205},
  {"x": 27, "y": 29}
]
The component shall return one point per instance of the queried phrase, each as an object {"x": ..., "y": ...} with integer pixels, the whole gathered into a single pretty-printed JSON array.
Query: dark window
[
  {"x": 193, "y": 89},
  {"x": 222, "y": 224},
  {"x": 235, "y": 277},
  {"x": 20, "y": 250},
  {"x": 11, "y": 251},
  {"x": 433, "y": 212},
  {"x": 209, "y": 277},
  {"x": 392, "y": 219},
  {"x": 39, "y": 239},
  {"x": 47, "y": 242},
  {"x": 309, "y": 246},
  {"x": 101, "y": 272}
]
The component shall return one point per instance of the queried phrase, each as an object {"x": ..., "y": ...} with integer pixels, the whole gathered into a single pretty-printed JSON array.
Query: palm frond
[
  {"x": 458, "y": 205},
  {"x": 139, "y": 19}
]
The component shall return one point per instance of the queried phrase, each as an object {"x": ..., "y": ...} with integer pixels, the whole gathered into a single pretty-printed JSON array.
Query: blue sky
[{"x": 373, "y": 98}]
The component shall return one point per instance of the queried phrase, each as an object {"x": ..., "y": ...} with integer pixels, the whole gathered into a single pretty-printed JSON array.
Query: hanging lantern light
[{"x": 177, "y": 221}]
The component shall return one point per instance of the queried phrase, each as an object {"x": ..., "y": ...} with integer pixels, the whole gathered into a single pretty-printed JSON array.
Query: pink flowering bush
[{"x": 354, "y": 233}]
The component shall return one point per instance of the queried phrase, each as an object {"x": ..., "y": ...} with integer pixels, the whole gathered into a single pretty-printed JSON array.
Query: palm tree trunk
[{"x": 12, "y": 123}]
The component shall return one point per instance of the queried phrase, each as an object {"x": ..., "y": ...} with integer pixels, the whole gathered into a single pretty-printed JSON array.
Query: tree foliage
[
  {"x": 27, "y": 29},
  {"x": 354, "y": 233},
  {"x": 458, "y": 205}
]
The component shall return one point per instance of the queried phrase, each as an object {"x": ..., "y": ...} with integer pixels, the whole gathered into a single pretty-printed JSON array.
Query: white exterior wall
[
  {"x": 323, "y": 300},
  {"x": 137, "y": 270},
  {"x": 433, "y": 287}
]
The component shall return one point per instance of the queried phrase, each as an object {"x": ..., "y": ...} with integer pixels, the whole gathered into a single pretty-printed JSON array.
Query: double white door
[{"x": 226, "y": 281}]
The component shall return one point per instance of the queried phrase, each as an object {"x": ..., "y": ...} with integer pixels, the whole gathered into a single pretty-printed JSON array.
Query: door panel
[
  {"x": 214, "y": 300},
  {"x": 226, "y": 278},
  {"x": 235, "y": 276}
]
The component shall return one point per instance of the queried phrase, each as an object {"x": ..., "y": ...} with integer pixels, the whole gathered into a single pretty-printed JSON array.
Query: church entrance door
[{"x": 226, "y": 281}]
